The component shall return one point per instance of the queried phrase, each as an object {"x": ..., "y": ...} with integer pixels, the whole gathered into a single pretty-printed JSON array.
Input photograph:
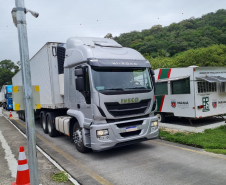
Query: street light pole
[{"x": 20, "y": 22}]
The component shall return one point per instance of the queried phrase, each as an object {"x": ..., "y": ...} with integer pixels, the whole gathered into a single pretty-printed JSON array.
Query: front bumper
[{"x": 118, "y": 136}]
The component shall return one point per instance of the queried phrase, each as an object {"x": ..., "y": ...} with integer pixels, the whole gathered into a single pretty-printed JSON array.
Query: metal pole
[{"x": 28, "y": 99}]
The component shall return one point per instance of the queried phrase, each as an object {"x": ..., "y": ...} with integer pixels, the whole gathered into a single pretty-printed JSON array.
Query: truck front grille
[
  {"x": 129, "y": 124},
  {"x": 119, "y": 110}
]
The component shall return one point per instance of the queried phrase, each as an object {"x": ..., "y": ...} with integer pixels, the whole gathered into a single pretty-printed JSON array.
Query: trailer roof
[{"x": 212, "y": 79}]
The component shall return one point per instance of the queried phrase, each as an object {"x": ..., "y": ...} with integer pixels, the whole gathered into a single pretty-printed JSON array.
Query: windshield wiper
[
  {"x": 137, "y": 88},
  {"x": 114, "y": 89}
]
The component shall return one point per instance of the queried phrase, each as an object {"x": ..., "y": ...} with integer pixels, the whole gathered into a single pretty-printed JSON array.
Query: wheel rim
[
  {"x": 159, "y": 117},
  {"x": 77, "y": 137},
  {"x": 49, "y": 125},
  {"x": 43, "y": 123}
]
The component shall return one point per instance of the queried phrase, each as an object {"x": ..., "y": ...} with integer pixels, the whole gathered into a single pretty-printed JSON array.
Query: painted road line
[
  {"x": 47, "y": 156},
  {"x": 92, "y": 174},
  {"x": 9, "y": 156},
  {"x": 190, "y": 150}
]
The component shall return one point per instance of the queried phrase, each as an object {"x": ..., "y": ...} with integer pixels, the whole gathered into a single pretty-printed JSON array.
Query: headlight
[
  {"x": 154, "y": 124},
  {"x": 102, "y": 132}
]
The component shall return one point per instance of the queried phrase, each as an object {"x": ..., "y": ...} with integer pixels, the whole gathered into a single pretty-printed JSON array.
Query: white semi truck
[{"x": 88, "y": 91}]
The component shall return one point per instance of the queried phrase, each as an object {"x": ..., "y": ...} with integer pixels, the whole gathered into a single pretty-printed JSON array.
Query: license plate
[{"x": 130, "y": 129}]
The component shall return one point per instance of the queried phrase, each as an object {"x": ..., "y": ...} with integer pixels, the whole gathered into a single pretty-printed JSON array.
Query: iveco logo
[
  {"x": 125, "y": 63},
  {"x": 130, "y": 100}
]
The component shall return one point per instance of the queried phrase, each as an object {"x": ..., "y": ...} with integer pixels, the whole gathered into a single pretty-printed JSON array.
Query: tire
[
  {"x": 24, "y": 117},
  {"x": 43, "y": 123},
  {"x": 19, "y": 115},
  {"x": 51, "y": 125},
  {"x": 78, "y": 140},
  {"x": 161, "y": 117}
]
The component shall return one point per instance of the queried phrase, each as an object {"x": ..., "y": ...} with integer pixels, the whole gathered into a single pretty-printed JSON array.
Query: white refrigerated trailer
[
  {"x": 88, "y": 91},
  {"x": 192, "y": 92}
]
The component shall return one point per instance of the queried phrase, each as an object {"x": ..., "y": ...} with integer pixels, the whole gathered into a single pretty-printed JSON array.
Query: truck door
[{"x": 84, "y": 98}]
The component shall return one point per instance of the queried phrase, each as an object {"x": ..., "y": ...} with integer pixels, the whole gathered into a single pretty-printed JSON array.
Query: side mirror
[
  {"x": 80, "y": 85},
  {"x": 79, "y": 72},
  {"x": 152, "y": 72},
  {"x": 154, "y": 107}
]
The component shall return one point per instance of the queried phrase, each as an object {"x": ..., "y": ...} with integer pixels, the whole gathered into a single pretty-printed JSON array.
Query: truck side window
[
  {"x": 181, "y": 86},
  {"x": 161, "y": 88}
]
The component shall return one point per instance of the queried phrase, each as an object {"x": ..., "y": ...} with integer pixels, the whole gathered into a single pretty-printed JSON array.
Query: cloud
[{"x": 60, "y": 20}]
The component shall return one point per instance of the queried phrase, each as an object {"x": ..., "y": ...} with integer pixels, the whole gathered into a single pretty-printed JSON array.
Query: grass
[
  {"x": 60, "y": 177},
  {"x": 212, "y": 140}
]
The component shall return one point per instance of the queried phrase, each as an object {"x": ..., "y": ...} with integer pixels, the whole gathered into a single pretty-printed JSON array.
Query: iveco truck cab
[
  {"x": 6, "y": 97},
  {"x": 110, "y": 108}
]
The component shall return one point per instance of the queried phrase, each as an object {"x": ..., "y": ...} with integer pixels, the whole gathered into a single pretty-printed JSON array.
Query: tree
[
  {"x": 109, "y": 36},
  {"x": 7, "y": 64},
  {"x": 7, "y": 71},
  {"x": 188, "y": 34},
  {"x": 5, "y": 77}
]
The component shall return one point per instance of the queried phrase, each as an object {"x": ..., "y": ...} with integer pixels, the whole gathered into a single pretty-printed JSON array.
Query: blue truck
[{"x": 6, "y": 99}]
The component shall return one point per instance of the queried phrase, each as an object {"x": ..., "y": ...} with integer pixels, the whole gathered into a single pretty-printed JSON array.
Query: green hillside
[
  {"x": 214, "y": 56},
  {"x": 188, "y": 34}
]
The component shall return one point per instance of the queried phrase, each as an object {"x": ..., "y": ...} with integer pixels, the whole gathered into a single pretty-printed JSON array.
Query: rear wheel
[
  {"x": 51, "y": 125},
  {"x": 43, "y": 122},
  {"x": 24, "y": 116},
  {"x": 78, "y": 139}
]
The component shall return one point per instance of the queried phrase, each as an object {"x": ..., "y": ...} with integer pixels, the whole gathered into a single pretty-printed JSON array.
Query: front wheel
[{"x": 78, "y": 139}]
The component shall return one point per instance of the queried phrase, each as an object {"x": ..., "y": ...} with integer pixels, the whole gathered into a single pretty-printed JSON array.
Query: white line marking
[
  {"x": 48, "y": 157},
  {"x": 12, "y": 162}
]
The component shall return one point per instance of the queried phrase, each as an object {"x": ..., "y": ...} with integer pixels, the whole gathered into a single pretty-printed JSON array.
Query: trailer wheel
[
  {"x": 19, "y": 115},
  {"x": 50, "y": 125},
  {"x": 22, "y": 116},
  {"x": 161, "y": 117},
  {"x": 43, "y": 122},
  {"x": 78, "y": 140}
]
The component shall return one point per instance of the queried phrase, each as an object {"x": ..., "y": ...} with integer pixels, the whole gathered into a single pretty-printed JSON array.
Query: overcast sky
[{"x": 61, "y": 19}]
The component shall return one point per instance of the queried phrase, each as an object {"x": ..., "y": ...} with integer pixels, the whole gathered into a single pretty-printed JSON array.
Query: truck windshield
[
  {"x": 121, "y": 79},
  {"x": 9, "y": 96}
]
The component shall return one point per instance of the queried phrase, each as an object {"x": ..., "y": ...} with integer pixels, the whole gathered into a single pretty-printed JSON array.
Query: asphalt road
[{"x": 152, "y": 162}]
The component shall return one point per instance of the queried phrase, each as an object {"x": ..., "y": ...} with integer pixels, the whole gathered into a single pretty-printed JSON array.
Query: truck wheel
[
  {"x": 19, "y": 115},
  {"x": 43, "y": 122},
  {"x": 50, "y": 125},
  {"x": 24, "y": 117},
  {"x": 78, "y": 140},
  {"x": 161, "y": 117}
]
